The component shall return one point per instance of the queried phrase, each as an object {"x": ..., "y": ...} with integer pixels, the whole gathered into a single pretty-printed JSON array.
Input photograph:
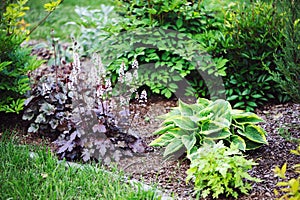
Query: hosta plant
[
  {"x": 191, "y": 125},
  {"x": 217, "y": 169}
]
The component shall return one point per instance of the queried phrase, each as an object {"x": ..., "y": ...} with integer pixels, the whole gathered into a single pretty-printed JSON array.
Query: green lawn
[
  {"x": 41, "y": 177},
  {"x": 58, "y": 19}
]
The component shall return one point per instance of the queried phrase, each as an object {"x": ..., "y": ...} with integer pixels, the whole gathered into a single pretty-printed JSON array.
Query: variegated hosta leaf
[
  {"x": 203, "y": 102},
  {"x": 238, "y": 141},
  {"x": 163, "y": 140},
  {"x": 185, "y": 109},
  {"x": 189, "y": 141},
  {"x": 221, "y": 111},
  {"x": 182, "y": 122},
  {"x": 250, "y": 145},
  {"x": 164, "y": 129},
  {"x": 175, "y": 145},
  {"x": 256, "y": 134},
  {"x": 245, "y": 117},
  {"x": 211, "y": 127},
  {"x": 175, "y": 111},
  {"x": 222, "y": 134}
]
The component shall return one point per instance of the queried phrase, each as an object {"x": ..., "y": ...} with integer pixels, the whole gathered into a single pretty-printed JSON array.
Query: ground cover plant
[
  {"x": 218, "y": 169},
  {"x": 34, "y": 172},
  {"x": 288, "y": 188}
]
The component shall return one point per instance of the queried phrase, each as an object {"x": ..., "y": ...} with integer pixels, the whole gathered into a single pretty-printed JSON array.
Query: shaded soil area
[{"x": 282, "y": 122}]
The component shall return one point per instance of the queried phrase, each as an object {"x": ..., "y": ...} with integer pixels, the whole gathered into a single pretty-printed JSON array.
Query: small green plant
[
  {"x": 217, "y": 169},
  {"x": 286, "y": 134},
  {"x": 289, "y": 189},
  {"x": 191, "y": 126}
]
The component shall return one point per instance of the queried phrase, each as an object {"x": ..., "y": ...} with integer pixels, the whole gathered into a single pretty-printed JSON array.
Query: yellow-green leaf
[
  {"x": 163, "y": 140},
  {"x": 174, "y": 146},
  {"x": 183, "y": 122},
  {"x": 163, "y": 129},
  {"x": 255, "y": 134},
  {"x": 50, "y": 7},
  {"x": 280, "y": 172}
]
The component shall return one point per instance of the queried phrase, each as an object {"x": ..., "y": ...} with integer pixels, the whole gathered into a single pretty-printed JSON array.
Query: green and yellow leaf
[
  {"x": 174, "y": 146},
  {"x": 255, "y": 134}
]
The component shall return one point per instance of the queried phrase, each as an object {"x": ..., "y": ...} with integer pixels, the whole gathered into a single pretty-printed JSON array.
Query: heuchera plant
[
  {"x": 217, "y": 169},
  {"x": 82, "y": 112},
  {"x": 191, "y": 125}
]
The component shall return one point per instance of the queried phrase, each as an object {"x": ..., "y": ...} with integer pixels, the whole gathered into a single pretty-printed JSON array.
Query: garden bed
[{"x": 170, "y": 175}]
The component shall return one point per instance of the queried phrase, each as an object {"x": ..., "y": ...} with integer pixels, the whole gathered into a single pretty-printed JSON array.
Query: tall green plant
[
  {"x": 252, "y": 32},
  {"x": 15, "y": 60},
  {"x": 288, "y": 62}
]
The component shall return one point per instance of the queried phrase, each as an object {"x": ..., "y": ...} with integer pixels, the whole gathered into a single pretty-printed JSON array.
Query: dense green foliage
[
  {"x": 167, "y": 55},
  {"x": 217, "y": 169},
  {"x": 170, "y": 38},
  {"x": 59, "y": 22},
  {"x": 288, "y": 61},
  {"x": 29, "y": 172},
  {"x": 190, "y": 126},
  {"x": 15, "y": 60},
  {"x": 252, "y": 32}
]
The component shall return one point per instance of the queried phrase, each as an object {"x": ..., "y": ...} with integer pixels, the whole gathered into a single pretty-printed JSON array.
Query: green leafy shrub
[
  {"x": 252, "y": 37},
  {"x": 289, "y": 189},
  {"x": 15, "y": 65},
  {"x": 190, "y": 126},
  {"x": 15, "y": 60},
  {"x": 217, "y": 169},
  {"x": 288, "y": 61},
  {"x": 159, "y": 37}
]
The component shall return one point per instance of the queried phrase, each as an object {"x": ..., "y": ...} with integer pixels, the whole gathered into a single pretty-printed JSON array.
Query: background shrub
[
  {"x": 241, "y": 38},
  {"x": 160, "y": 34},
  {"x": 15, "y": 61},
  {"x": 250, "y": 38},
  {"x": 288, "y": 60}
]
